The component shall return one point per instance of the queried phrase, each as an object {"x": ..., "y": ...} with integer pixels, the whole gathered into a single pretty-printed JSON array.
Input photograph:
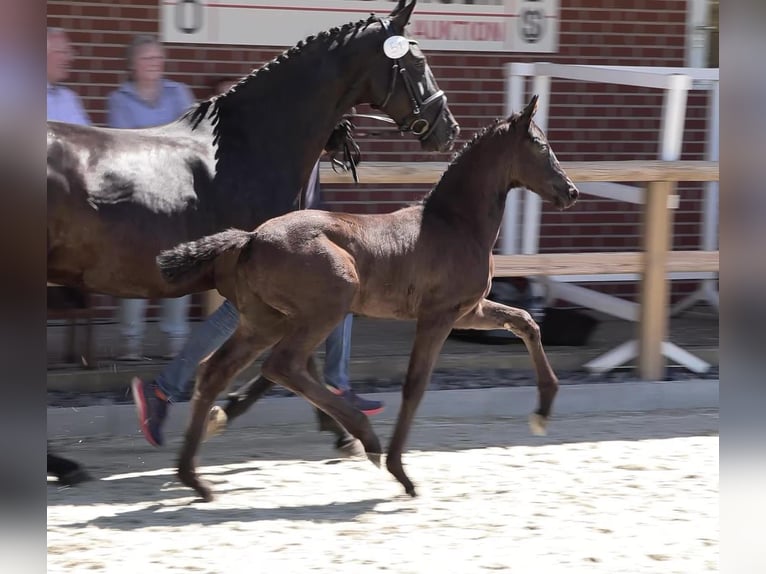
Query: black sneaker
[
  {"x": 152, "y": 409},
  {"x": 367, "y": 406}
]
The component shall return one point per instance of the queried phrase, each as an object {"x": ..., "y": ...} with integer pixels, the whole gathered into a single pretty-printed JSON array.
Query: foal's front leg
[
  {"x": 429, "y": 339},
  {"x": 489, "y": 315}
]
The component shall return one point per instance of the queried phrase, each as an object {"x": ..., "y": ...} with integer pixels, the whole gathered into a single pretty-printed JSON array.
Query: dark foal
[{"x": 295, "y": 277}]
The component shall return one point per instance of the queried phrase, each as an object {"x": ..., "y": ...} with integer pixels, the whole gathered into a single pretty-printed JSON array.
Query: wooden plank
[
  {"x": 655, "y": 293},
  {"x": 599, "y": 263},
  {"x": 631, "y": 171}
]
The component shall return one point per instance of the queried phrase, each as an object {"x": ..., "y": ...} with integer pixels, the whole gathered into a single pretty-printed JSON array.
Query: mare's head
[
  {"x": 533, "y": 164},
  {"x": 401, "y": 84}
]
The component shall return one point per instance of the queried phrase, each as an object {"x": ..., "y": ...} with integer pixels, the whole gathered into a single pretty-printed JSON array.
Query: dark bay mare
[
  {"x": 116, "y": 198},
  {"x": 296, "y": 276}
]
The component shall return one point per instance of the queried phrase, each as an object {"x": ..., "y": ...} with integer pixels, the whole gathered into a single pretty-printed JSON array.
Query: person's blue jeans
[
  {"x": 176, "y": 378},
  {"x": 337, "y": 349},
  {"x": 174, "y": 323}
]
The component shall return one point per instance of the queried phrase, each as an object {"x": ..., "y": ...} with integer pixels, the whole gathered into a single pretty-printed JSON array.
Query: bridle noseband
[{"x": 414, "y": 122}]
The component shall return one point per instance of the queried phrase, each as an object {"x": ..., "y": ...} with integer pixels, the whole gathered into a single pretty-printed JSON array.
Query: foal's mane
[
  {"x": 258, "y": 77},
  {"x": 497, "y": 128}
]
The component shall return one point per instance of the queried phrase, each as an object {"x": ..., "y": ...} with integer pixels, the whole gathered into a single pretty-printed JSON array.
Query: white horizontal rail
[
  {"x": 650, "y": 76},
  {"x": 644, "y": 78}
]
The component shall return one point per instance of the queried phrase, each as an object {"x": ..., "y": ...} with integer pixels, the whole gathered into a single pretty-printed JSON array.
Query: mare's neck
[{"x": 272, "y": 128}]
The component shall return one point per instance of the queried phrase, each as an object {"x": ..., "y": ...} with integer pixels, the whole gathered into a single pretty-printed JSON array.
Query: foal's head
[{"x": 533, "y": 164}]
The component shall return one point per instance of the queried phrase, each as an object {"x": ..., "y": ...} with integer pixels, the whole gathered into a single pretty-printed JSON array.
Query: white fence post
[
  {"x": 509, "y": 241},
  {"x": 533, "y": 202}
]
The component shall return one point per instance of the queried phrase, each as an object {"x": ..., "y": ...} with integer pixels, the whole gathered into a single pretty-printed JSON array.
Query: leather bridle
[{"x": 414, "y": 122}]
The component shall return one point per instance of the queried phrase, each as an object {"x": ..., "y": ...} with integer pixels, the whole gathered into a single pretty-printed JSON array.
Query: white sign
[{"x": 482, "y": 26}]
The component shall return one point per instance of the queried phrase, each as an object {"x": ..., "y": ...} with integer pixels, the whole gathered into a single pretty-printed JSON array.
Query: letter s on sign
[{"x": 532, "y": 21}]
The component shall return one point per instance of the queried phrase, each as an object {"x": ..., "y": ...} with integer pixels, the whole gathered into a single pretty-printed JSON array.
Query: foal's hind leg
[
  {"x": 239, "y": 402},
  {"x": 241, "y": 349},
  {"x": 287, "y": 366},
  {"x": 345, "y": 441},
  {"x": 490, "y": 315}
]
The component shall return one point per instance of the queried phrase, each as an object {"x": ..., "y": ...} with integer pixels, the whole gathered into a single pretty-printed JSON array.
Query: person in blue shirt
[
  {"x": 64, "y": 104},
  {"x": 148, "y": 99}
]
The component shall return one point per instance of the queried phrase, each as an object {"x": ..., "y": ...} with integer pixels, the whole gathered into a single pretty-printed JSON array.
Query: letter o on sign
[
  {"x": 189, "y": 16},
  {"x": 532, "y": 21}
]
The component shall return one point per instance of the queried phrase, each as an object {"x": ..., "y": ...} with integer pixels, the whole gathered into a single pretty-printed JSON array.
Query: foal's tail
[{"x": 187, "y": 260}]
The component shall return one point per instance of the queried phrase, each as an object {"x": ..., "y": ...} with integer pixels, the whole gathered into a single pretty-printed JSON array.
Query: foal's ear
[
  {"x": 529, "y": 111},
  {"x": 400, "y": 15},
  {"x": 524, "y": 117}
]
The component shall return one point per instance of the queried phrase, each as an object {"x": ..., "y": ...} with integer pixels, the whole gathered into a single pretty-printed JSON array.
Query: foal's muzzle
[{"x": 566, "y": 195}]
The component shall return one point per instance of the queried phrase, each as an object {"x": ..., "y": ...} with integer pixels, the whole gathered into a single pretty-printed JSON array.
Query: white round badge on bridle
[{"x": 396, "y": 46}]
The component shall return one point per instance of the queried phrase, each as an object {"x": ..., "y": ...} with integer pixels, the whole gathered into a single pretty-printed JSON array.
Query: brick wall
[{"x": 586, "y": 121}]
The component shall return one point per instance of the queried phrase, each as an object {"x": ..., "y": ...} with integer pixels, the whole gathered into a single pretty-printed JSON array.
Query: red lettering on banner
[{"x": 459, "y": 30}]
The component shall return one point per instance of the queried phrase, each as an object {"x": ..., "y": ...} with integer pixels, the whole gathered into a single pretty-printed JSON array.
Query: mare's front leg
[
  {"x": 430, "y": 335},
  {"x": 241, "y": 349},
  {"x": 490, "y": 315},
  {"x": 237, "y": 404}
]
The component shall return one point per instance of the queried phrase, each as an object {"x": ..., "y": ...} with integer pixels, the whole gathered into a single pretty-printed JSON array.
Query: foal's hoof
[
  {"x": 374, "y": 458},
  {"x": 205, "y": 493},
  {"x": 538, "y": 424},
  {"x": 191, "y": 480},
  {"x": 216, "y": 422},
  {"x": 349, "y": 446},
  {"x": 411, "y": 491}
]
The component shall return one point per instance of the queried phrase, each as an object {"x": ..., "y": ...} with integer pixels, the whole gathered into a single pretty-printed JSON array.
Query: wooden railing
[
  {"x": 430, "y": 172},
  {"x": 654, "y": 262}
]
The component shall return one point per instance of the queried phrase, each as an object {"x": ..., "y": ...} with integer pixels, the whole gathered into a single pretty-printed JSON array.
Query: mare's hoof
[
  {"x": 374, "y": 458},
  {"x": 216, "y": 422},
  {"x": 538, "y": 424},
  {"x": 411, "y": 491},
  {"x": 73, "y": 477}
]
